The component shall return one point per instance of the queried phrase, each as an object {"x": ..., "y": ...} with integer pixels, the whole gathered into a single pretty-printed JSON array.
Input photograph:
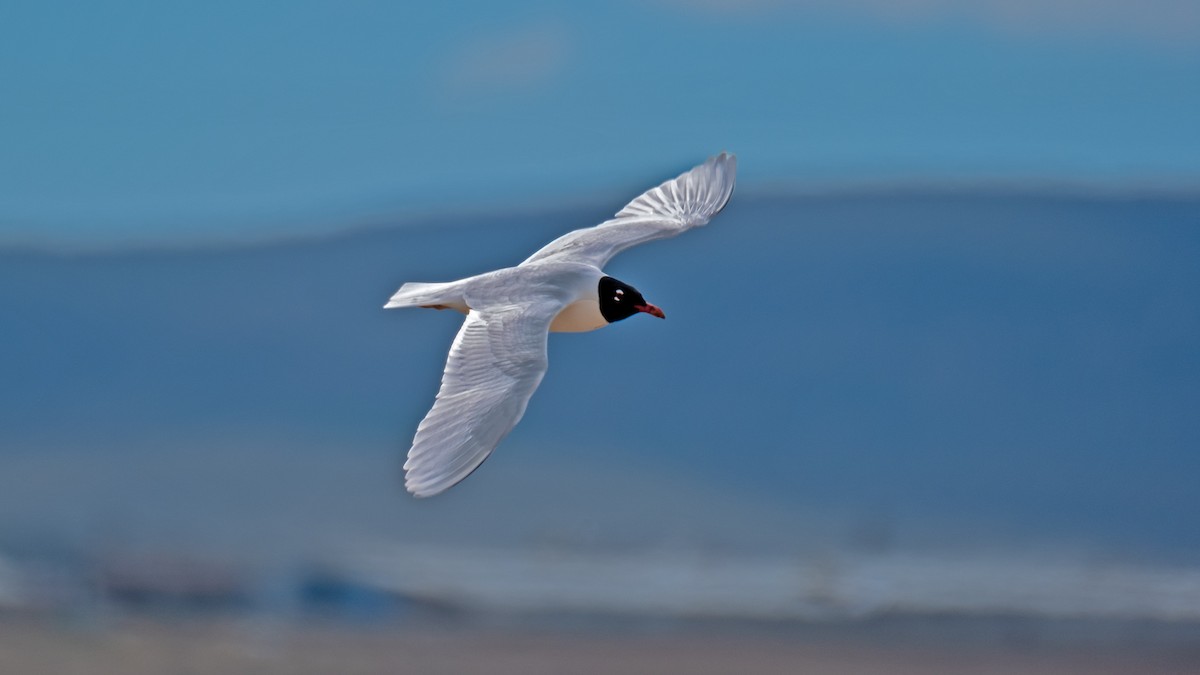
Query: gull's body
[{"x": 499, "y": 355}]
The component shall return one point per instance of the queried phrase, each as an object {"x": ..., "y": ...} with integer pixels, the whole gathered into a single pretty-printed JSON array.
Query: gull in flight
[{"x": 498, "y": 357}]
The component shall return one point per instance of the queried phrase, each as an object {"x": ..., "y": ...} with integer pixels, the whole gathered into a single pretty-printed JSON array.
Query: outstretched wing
[
  {"x": 496, "y": 363},
  {"x": 674, "y": 207}
]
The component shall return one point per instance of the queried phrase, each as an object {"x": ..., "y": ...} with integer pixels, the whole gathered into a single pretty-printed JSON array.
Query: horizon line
[{"x": 292, "y": 230}]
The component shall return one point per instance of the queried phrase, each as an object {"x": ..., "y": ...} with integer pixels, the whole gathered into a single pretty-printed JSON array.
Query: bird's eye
[{"x": 620, "y": 292}]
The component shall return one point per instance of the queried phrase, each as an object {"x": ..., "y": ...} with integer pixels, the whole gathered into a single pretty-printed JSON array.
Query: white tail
[{"x": 445, "y": 295}]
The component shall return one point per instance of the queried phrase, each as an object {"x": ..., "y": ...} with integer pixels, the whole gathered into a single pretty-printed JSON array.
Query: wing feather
[
  {"x": 497, "y": 361},
  {"x": 672, "y": 208}
]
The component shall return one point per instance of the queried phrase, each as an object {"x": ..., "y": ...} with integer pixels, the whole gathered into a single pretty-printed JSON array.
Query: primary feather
[{"x": 676, "y": 206}]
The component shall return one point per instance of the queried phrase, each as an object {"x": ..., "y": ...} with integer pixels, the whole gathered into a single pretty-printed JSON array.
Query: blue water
[{"x": 996, "y": 365}]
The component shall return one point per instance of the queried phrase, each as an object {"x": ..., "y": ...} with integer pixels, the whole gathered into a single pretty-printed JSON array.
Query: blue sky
[{"x": 159, "y": 121}]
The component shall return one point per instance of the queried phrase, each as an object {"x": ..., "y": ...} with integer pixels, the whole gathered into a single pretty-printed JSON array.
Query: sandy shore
[{"x": 231, "y": 647}]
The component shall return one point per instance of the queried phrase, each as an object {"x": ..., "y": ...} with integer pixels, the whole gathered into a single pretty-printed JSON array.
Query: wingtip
[
  {"x": 420, "y": 491},
  {"x": 420, "y": 486},
  {"x": 693, "y": 196},
  {"x": 726, "y": 159}
]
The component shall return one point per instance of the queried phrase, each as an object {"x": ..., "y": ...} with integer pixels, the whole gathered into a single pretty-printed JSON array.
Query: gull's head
[{"x": 619, "y": 300}]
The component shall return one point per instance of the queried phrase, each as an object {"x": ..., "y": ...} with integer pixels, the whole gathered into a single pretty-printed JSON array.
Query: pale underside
[{"x": 578, "y": 317}]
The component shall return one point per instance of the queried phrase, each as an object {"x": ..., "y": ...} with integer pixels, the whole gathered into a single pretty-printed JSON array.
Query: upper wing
[
  {"x": 497, "y": 361},
  {"x": 675, "y": 206}
]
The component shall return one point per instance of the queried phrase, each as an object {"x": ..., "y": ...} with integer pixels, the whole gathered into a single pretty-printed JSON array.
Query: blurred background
[{"x": 927, "y": 400}]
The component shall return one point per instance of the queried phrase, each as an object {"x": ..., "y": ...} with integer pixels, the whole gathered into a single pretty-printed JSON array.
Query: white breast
[{"x": 578, "y": 317}]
